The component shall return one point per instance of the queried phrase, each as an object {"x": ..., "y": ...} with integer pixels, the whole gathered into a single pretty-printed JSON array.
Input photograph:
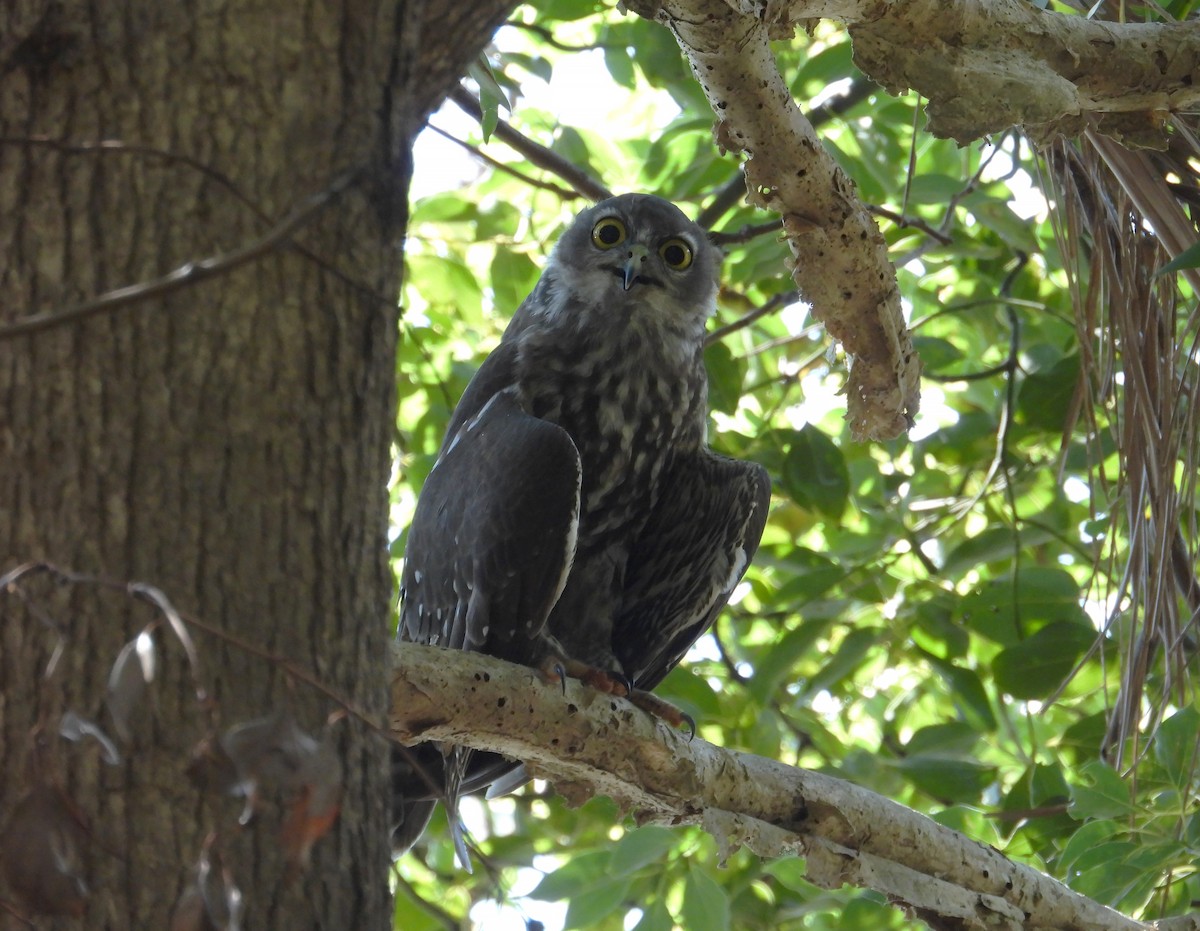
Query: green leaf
[
  {"x": 1004, "y": 222},
  {"x": 513, "y": 276},
  {"x": 446, "y": 281},
  {"x": 946, "y": 778},
  {"x": 1047, "y": 396},
  {"x": 1088, "y": 836},
  {"x": 936, "y": 353},
  {"x": 848, "y": 656},
  {"x": 792, "y": 872},
  {"x": 442, "y": 208},
  {"x": 491, "y": 95},
  {"x": 691, "y": 692},
  {"x": 725, "y": 376},
  {"x": 591, "y": 905},
  {"x": 814, "y": 473},
  {"x": 1042, "y": 594},
  {"x": 1036, "y": 667},
  {"x": 934, "y": 629},
  {"x": 620, "y": 66},
  {"x": 407, "y": 914},
  {"x": 775, "y": 666},
  {"x": 812, "y": 575},
  {"x": 933, "y": 188},
  {"x": 705, "y": 904},
  {"x": 641, "y": 847},
  {"x": 1177, "y": 745},
  {"x": 1102, "y": 872},
  {"x": 583, "y": 871},
  {"x": 970, "y": 697},
  {"x": 1099, "y": 793},
  {"x": 989, "y": 546},
  {"x": 1188, "y": 258},
  {"x": 952, "y": 738},
  {"x": 655, "y": 918},
  {"x": 1048, "y": 785}
]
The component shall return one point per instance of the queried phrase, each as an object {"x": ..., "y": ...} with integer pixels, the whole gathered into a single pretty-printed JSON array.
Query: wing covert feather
[
  {"x": 493, "y": 536},
  {"x": 699, "y": 540}
]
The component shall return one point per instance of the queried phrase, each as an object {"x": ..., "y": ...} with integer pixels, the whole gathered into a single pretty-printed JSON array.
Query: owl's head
[{"x": 637, "y": 249}]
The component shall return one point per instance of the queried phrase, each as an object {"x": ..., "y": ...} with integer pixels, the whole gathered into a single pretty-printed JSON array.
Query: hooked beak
[{"x": 632, "y": 269}]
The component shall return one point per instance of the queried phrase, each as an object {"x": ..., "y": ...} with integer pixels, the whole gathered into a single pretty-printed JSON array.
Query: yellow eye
[
  {"x": 676, "y": 253},
  {"x": 608, "y": 232}
]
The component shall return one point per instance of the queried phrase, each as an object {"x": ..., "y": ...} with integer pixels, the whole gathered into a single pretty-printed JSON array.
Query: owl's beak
[{"x": 632, "y": 269}]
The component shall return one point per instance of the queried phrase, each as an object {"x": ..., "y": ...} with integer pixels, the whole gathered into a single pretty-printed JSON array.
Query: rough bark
[
  {"x": 585, "y": 742},
  {"x": 226, "y": 441}
]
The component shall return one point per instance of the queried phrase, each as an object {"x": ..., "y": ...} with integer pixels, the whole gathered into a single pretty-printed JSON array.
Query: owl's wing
[
  {"x": 493, "y": 536},
  {"x": 488, "y": 553},
  {"x": 697, "y": 543}
]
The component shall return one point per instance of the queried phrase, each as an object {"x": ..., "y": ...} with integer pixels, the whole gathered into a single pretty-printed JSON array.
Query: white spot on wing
[
  {"x": 739, "y": 566},
  {"x": 571, "y": 540}
]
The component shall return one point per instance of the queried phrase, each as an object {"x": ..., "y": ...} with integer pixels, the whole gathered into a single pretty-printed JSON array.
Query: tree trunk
[{"x": 224, "y": 439}]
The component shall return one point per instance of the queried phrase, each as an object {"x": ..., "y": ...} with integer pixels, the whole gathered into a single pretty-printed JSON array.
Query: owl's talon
[{"x": 664, "y": 710}]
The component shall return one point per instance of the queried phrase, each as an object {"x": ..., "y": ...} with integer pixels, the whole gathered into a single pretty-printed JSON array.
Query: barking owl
[{"x": 575, "y": 520}]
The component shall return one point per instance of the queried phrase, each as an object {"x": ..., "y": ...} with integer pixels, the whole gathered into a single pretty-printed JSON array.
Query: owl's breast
[{"x": 628, "y": 413}]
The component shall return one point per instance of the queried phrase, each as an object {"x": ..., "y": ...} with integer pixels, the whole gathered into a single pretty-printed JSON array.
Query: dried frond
[{"x": 1120, "y": 215}]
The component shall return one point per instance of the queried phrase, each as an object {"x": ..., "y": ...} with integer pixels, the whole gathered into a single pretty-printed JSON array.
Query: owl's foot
[
  {"x": 556, "y": 669},
  {"x": 660, "y": 708}
]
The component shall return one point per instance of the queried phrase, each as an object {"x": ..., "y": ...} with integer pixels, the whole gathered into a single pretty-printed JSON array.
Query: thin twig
[
  {"x": 432, "y": 909},
  {"x": 535, "y": 152},
  {"x": 746, "y": 233},
  {"x": 774, "y": 303},
  {"x": 907, "y": 222},
  {"x": 136, "y": 589},
  {"x": 498, "y": 165},
  {"x": 1007, "y": 409},
  {"x": 118, "y": 147},
  {"x": 190, "y": 272},
  {"x": 547, "y": 36}
]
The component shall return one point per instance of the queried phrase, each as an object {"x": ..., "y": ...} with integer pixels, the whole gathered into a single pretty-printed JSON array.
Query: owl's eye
[
  {"x": 676, "y": 253},
  {"x": 608, "y": 232}
]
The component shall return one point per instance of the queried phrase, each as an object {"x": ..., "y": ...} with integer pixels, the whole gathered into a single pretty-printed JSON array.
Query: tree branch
[
  {"x": 536, "y": 153},
  {"x": 842, "y": 266},
  {"x": 588, "y": 743},
  {"x": 986, "y": 65}
]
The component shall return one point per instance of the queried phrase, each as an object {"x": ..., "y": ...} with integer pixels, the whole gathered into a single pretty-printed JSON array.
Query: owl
[{"x": 575, "y": 520}]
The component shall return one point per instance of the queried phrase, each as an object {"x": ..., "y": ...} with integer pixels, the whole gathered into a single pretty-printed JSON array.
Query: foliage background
[{"x": 940, "y": 619}]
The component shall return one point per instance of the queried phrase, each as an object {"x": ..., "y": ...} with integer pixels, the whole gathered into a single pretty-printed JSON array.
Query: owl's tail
[
  {"x": 430, "y": 772},
  {"x": 457, "y": 759}
]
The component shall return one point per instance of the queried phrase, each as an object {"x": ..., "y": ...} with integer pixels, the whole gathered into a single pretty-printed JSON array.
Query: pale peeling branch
[
  {"x": 987, "y": 65},
  {"x": 588, "y": 743},
  {"x": 841, "y": 263}
]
